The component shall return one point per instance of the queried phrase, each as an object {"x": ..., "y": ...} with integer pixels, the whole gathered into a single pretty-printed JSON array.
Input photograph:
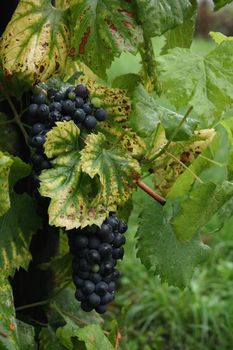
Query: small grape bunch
[
  {"x": 95, "y": 253},
  {"x": 48, "y": 108}
]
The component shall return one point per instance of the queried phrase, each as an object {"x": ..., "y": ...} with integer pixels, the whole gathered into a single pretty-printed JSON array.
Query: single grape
[
  {"x": 59, "y": 96},
  {"x": 93, "y": 299},
  {"x": 40, "y": 98},
  {"x": 79, "y": 102},
  {"x": 119, "y": 240},
  {"x": 95, "y": 277},
  {"x": 37, "y": 158},
  {"x": 122, "y": 227},
  {"x": 101, "y": 309},
  {"x": 111, "y": 286},
  {"x": 106, "y": 268},
  {"x": 55, "y": 106},
  {"x": 78, "y": 281},
  {"x": 54, "y": 116},
  {"x": 39, "y": 140},
  {"x": 93, "y": 242},
  {"x": 96, "y": 102},
  {"x": 33, "y": 109},
  {"x": 88, "y": 287},
  {"x": 45, "y": 164},
  {"x": 70, "y": 93},
  {"x": 101, "y": 288},
  {"x": 105, "y": 250},
  {"x": 84, "y": 265},
  {"x": 37, "y": 128},
  {"x": 100, "y": 114},
  {"x": 81, "y": 91},
  {"x": 68, "y": 107},
  {"x": 107, "y": 298},
  {"x": 66, "y": 118},
  {"x": 115, "y": 275},
  {"x": 51, "y": 93},
  {"x": 80, "y": 242},
  {"x": 93, "y": 256},
  {"x": 43, "y": 111},
  {"x": 118, "y": 253},
  {"x": 87, "y": 108},
  {"x": 105, "y": 229},
  {"x": 113, "y": 221},
  {"x": 79, "y": 295},
  {"x": 79, "y": 115},
  {"x": 86, "y": 306}
]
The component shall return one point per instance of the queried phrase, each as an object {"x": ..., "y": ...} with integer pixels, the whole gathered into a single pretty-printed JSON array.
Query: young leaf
[
  {"x": 116, "y": 169},
  {"x": 159, "y": 249},
  {"x": 159, "y": 16},
  {"x": 35, "y": 43},
  {"x": 74, "y": 200},
  {"x": 8, "y": 326},
  {"x": 206, "y": 83},
  {"x": 196, "y": 211},
  {"x": 102, "y": 31},
  {"x": 16, "y": 229}
]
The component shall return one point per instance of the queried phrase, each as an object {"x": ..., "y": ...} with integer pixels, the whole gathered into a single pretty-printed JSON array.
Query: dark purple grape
[
  {"x": 70, "y": 93},
  {"x": 101, "y": 288},
  {"x": 78, "y": 281},
  {"x": 68, "y": 107},
  {"x": 107, "y": 298},
  {"x": 37, "y": 158},
  {"x": 88, "y": 287},
  {"x": 93, "y": 242},
  {"x": 66, "y": 118},
  {"x": 113, "y": 221},
  {"x": 122, "y": 227},
  {"x": 111, "y": 286},
  {"x": 59, "y": 96},
  {"x": 83, "y": 274},
  {"x": 32, "y": 110},
  {"x": 90, "y": 122},
  {"x": 84, "y": 265},
  {"x": 79, "y": 295},
  {"x": 108, "y": 278},
  {"x": 119, "y": 240},
  {"x": 45, "y": 164},
  {"x": 118, "y": 253},
  {"x": 37, "y": 128},
  {"x": 43, "y": 111},
  {"x": 100, "y": 114},
  {"x": 55, "y": 116},
  {"x": 93, "y": 256},
  {"x": 79, "y": 115},
  {"x": 115, "y": 275},
  {"x": 55, "y": 106},
  {"x": 101, "y": 309},
  {"x": 87, "y": 108},
  {"x": 93, "y": 299},
  {"x": 81, "y": 91},
  {"x": 95, "y": 277},
  {"x": 105, "y": 250},
  {"x": 80, "y": 241},
  {"x": 40, "y": 98},
  {"x": 79, "y": 102},
  {"x": 51, "y": 93},
  {"x": 39, "y": 140},
  {"x": 106, "y": 268},
  {"x": 86, "y": 306},
  {"x": 105, "y": 229}
]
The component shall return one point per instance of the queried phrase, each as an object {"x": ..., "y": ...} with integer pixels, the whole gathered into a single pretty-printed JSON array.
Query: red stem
[{"x": 151, "y": 192}]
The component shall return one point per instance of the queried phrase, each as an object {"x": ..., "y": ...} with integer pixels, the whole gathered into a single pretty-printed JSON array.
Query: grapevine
[{"x": 85, "y": 159}]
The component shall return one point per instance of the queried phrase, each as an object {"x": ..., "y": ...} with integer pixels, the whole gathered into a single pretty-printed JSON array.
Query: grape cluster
[
  {"x": 48, "y": 108},
  {"x": 95, "y": 253}
]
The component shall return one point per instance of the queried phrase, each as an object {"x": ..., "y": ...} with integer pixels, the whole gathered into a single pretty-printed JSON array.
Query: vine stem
[
  {"x": 28, "y": 306},
  {"x": 16, "y": 116},
  {"x": 165, "y": 147},
  {"x": 151, "y": 192}
]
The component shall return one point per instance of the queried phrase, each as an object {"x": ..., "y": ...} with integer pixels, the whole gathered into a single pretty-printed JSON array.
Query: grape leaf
[
  {"x": 94, "y": 338},
  {"x": 115, "y": 168},
  {"x": 34, "y": 45},
  {"x": 74, "y": 200},
  {"x": 5, "y": 165},
  {"x": 195, "y": 211},
  {"x": 26, "y": 334},
  {"x": 159, "y": 249},
  {"x": 220, "y": 3},
  {"x": 8, "y": 326},
  {"x": 206, "y": 83},
  {"x": 49, "y": 340},
  {"x": 219, "y": 37},
  {"x": 103, "y": 30},
  {"x": 159, "y": 16},
  {"x": 147, "y": 114},
  {"x": 16, "y": 229}
]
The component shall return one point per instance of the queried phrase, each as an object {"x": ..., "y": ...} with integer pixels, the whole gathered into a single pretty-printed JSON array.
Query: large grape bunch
[
  {"x": 53, "y": 106},
  {"x": 95, "y": 253}
]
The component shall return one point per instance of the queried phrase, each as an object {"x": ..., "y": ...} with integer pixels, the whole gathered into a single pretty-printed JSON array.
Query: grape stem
[
  {"x": 151, "y": 192},
  {"x": 16, "y": 116},
  {"x": 177, "y": 129}
]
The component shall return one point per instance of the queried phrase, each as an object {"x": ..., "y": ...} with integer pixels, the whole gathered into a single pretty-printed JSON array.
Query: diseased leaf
[
  {"x": 5, "y": 165},
  {"x": 159, "y": 16},
  {"x": 34, "y": 45},
  {"x": 102, "y": 31},
  {"x": 206, "y": 83},
  {"x": 74, "y": 200},
  {"x": 8, "y": 326},
  {"x": 94, "y": 338},
  {"x": 116, "y": 169},
  {"x": 159, "y": 249},
  {"x": 16, "y": 229}
]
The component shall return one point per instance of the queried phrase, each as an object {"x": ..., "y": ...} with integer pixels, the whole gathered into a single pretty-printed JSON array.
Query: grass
[{"x": 154, "y": 316}]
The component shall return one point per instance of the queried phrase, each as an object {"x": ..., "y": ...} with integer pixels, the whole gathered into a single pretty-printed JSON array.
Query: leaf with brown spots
[
  {"x": 102, "y": 31},
  {"x": 35, "y": 43}
]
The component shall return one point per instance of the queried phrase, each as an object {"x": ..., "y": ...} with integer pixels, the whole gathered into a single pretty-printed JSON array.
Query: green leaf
[
  {"x": 49, "y": 340},
  {"x": 103, "y": 30},
  {"x": 196, "y": 211},
  {"x": 206, "y": 83},
  {"x": 94, "y": 338},
  {"x": 159, "y": 16},
  {"x": 8, "y": 325},
  {"x": 219, "y": 37},
  {"x": 16, "y": 229},
  {"x": 74, "y": 199},
  {"x": 159, "y": 249},
  {"x": 147, "y": 114},
  {"x": 220, "y": 3},
  {"x": 34, "y": 45},
  {"x": 26, "y": 334},
  {"x": 115, "y": 168},
  {"x": 5, "y": 165}
]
